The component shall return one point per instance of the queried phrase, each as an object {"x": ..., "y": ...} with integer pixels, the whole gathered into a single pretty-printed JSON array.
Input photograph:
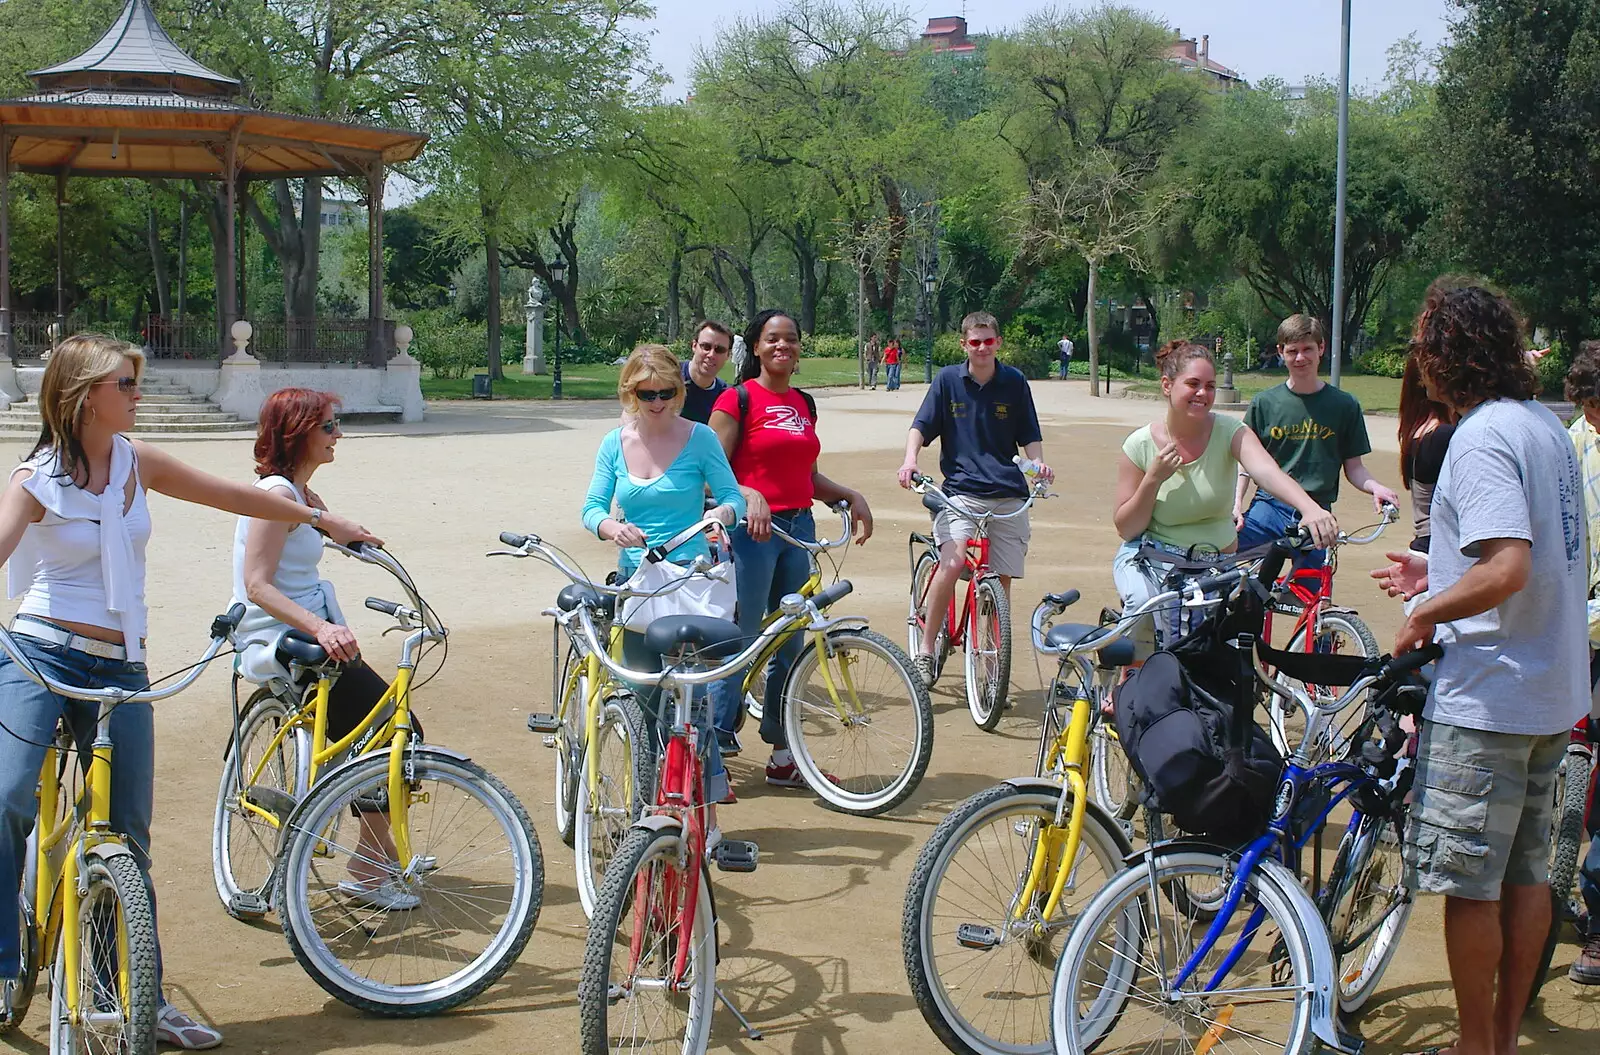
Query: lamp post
[
  {"x": 1341, "y": 181},
  {"x": 930, "y": 284},
  {"x": 558, "y": 275}
]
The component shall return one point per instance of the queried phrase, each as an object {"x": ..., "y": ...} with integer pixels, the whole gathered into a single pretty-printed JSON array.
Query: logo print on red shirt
[{"x": 786, "y": 419}]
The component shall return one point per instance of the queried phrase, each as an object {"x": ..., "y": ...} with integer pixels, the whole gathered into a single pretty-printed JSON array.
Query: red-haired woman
[{"x": 275, "y": 577}]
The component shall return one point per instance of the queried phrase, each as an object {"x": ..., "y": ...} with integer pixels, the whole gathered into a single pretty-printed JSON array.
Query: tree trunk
[
  {"x": 1091, "y": 319},
  {"x": 296, "y": 241},
  {"x": 491, "y": 250},
  {"x": 158, "y": 264},
  {"x": 861, "y": 326},
  {"x": 674, "y": 283}
]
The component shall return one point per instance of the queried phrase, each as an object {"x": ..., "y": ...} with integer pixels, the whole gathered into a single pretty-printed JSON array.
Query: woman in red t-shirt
[
  {"x": 773, "y": 447},
  {"x": 891, "y": 361}
]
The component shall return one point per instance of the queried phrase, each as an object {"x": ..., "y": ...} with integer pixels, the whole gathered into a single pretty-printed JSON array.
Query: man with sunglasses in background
[
  {"x": 713, "y": 343},
  {"x": 982, "y": 413}
]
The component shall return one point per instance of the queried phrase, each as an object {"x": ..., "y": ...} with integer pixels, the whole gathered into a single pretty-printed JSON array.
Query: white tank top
[{"x": 84, "y": 561}]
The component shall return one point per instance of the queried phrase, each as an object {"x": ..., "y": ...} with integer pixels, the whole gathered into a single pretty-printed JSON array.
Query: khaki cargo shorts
[
  {"x": 1008, "y": 539},
  {"x": 1481, "y": 812}
]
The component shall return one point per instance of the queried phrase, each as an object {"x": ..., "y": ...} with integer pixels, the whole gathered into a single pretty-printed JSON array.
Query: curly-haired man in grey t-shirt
[{"x": 1507, "y": 575}]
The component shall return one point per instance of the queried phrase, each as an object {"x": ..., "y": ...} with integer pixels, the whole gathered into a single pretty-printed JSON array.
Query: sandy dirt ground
[{"x": 810, "y": 941}]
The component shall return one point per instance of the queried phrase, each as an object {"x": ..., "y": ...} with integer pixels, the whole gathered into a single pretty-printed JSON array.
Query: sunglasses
[
  {"x": 982, "y": 342},
  {"x": 330, "y": 427},
  {"x": 125, "y": 385},
  {"x": 650, "y": 395}
]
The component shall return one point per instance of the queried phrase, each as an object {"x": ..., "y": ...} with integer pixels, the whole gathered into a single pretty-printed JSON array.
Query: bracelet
[{"x": 316, "y": 518}]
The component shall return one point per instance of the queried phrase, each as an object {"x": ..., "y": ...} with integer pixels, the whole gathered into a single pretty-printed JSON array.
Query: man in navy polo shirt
[
  {"x": 982, "y": 413},
  {"x": 701, "y": 385}
]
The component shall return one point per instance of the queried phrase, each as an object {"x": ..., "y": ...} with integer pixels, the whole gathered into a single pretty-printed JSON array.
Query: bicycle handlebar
[
  {"x": 533, "y": 546},
  {"x": 922, "y": 484},
  {"x": 1365, "y": 536},
  {"x": 381, "y": 558},
  {"x": 221, "y": 627},
  {"x": 1055, "y": 604},
  {"x": 841, "y": 508}
]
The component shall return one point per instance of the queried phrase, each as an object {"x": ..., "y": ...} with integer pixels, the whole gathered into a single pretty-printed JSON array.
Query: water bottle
[{"x": 1030, "y": 468}]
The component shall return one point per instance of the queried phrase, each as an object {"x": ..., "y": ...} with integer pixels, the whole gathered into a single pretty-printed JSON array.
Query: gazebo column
[
  {"x": 61, "y": 257},
  {"x": 244, "y": 240},
  {"x": 8, "y": 351},
  {"x": 227, "y": 291},
  {"x": 377, "y": 345}
]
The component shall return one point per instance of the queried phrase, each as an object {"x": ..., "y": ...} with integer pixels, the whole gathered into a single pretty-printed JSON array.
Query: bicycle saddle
[
  {"x": 297, "y": 646},
  {"x": 1117, "y": 654},
  {"x": 574, "y": 594},
  {"x": 710, "y": 637}
]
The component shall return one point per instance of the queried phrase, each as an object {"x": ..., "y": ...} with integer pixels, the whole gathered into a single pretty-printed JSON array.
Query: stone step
[{"x": 230, "y": 427}]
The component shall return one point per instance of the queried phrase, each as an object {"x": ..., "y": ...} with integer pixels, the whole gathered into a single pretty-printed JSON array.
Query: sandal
[{"x": 178, "y": 1030}]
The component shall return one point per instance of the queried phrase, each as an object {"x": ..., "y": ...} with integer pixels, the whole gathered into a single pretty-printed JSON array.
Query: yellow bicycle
[
  {"x": 86, "y": 896},
  {"x": 406, "y": 877},
  {"x": 997, "y": 887}
]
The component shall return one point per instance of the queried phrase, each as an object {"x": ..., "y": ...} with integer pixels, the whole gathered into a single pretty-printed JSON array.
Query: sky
[{"x": 1287, "y": 39}]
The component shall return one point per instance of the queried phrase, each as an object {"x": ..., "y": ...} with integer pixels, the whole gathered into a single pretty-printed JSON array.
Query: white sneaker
[
  {"x": 389, "y": 895},
  {"x": 177, "y": 1029}
]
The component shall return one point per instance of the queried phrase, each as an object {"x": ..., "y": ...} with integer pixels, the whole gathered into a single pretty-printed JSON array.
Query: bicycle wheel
[
  {"x": 16, "y": 994},
  {"x": 1571, "y": 800},
  {"x": 117, "y": 940},
  {"x": 624, "y": 760},
  {"x": 244, "y": 844},
  {"x": 1113, "y": 989},
  {"x": 859, "y": 722},
  {"x": 629, "y": 999},
  {"x": 1112, "y": 782},
  {"x": 980, "y": 963},
  {"x": 434, "y": 935},
  {"x": 1339, "y": 632},
  {"x": 921, "y": 577},
  {"x": 1368, "y": 907},
  {"x": 569, "y": 748},
  {"x": 988, "y": 653}
]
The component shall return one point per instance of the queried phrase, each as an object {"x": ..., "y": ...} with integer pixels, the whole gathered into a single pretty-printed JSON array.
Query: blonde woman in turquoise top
[{"x": 1175, "y": 481}]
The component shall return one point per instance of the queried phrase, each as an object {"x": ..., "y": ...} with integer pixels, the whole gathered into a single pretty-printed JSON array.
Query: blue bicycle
[{"x": 1200, "y": 949}]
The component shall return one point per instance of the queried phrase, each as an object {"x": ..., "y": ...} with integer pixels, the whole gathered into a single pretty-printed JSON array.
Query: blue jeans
[
  {"x": 1269, "y": 519},
  {"x": 891, "y": 376},
  {"x": 766, "y": 571},
  {"x": 29, "y": 713},
  {"x": 1065, "y": 363}
]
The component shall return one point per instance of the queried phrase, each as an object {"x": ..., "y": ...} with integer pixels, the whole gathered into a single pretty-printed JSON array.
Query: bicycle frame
[{"x": 680, "y": 794}]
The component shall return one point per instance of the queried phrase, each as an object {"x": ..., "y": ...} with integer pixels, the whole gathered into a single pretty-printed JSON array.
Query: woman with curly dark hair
[{"x": 1507, "y": 572}]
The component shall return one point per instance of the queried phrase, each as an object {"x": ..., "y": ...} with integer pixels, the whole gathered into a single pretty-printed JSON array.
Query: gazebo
[{"x": 136, "y": 106}]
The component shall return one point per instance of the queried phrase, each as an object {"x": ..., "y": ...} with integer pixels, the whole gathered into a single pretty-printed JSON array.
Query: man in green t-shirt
[{"x": 1313, "y": 431}]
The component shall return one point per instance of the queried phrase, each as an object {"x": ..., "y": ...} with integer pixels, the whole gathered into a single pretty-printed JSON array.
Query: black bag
[{"x": 1184, "y": 720}]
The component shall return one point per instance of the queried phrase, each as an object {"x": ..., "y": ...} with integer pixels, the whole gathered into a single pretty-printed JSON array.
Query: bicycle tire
[
  {"x": 115, "y": 884},
  {"x": 824, "y": 746},
  {"x": 1572, "y": 800},
  {"x": 260, "y": 711},
  {"x": 1012, "y": 976},
  {"x": 1365, "y": 920},
  {"x": 597, "y": 1009},
  {"x": 569, "y": 750},
  {"x": 921, "y": 576},
  {"x": 986, "y": 689},
  {"x": 16, "y": 995},
  {"x": 624, "y": 751},
  {"x": 1080, "y": 1023},
  {"x": 1112, "y": 782},
  {"x": 1349, "y": 627},
  {"x": 515, "y": 852}
]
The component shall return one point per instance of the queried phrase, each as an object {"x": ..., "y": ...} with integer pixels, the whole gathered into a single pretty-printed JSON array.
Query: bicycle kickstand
[{"x": 750, "y": 1032}]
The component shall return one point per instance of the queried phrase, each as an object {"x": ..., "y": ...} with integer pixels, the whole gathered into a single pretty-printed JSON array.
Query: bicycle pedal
[
  {"x": 243, "y": 905},
  {"x": 977, "y": 936},
  {"x": 736, "y": 855},
  {"x": 274, "y": 800},
  {"x": 543, "y": 723}
]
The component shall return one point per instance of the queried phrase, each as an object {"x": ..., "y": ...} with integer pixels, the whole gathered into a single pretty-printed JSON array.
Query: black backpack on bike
[{"x": 1185, "y": 723}]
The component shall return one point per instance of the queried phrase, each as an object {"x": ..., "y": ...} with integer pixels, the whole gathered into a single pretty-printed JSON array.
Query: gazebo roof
[{"x": 135, "y": 54}]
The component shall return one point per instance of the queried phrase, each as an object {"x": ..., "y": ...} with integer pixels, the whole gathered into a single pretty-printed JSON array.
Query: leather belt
[{"x": 57, "y": 636}]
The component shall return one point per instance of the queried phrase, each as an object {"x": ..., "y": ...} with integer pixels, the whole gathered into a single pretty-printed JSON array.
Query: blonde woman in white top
[
  {"x": 275, "y": 577},
  {"x": 73, "y": 529}
]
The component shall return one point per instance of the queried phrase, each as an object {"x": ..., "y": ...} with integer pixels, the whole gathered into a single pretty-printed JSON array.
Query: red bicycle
[{"x": 981, "y": 628}]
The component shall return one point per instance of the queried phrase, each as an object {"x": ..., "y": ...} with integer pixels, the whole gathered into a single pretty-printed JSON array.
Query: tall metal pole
[{"x": 1339, "y": 194}]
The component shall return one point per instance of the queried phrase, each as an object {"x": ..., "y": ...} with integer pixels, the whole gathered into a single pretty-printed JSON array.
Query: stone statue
[{"x": 533, "y": 357}]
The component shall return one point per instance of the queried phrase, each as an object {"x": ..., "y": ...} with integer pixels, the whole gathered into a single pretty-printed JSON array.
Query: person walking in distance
[
  {"x": 713, "y": 343},
  {"x": 982, "y": 413},
  {"x": 1583, "y": 389},
  {"x": 1314, "y": 432},
  {"x": 891, "y": 365},
  {"x": 873, "y": 355},
  {"x": 1507, "y": 575},
  {"x": 768, "y": 429},
  {"x": 1064, "y": 348}
]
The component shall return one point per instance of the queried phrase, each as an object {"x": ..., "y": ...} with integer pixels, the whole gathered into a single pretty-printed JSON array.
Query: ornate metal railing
[
  {"x": 274, "y": 340},
  {"x": 30, "y": 330}
]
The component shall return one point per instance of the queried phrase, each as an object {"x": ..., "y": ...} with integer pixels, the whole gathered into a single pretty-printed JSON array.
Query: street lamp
[
  {"x": 930, "y": 283},
  {"x": 558, "y": 275}
]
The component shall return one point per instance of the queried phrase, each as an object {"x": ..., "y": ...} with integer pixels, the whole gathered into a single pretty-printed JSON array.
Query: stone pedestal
[
  {"x": 402, "y": 387},
  {"x": 239, "y": 391},
  {"x": 10, "y": 389},
  {"x": 533, "y": 358}
]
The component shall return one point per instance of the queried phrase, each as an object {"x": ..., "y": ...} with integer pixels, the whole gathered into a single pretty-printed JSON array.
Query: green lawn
[
  {"x": 596, "y": 381},
  {"x": 1378, "y": 395}
]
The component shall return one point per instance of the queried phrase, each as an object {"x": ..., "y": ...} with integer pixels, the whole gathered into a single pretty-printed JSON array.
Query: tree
[
  {"x": 1518, "y": 148},
  {"x": 1260, "y": 177}
]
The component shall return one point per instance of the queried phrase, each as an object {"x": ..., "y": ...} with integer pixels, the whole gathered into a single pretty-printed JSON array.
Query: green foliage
[
  {"x": 448, "y": 346},
  {"x": 1383, "y": 362}
]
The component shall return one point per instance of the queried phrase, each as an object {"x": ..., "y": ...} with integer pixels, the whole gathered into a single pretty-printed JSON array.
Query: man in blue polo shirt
[{"x": 982, "y": 413}]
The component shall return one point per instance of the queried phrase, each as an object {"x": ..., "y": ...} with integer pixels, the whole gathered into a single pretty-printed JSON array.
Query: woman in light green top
[{"x": 1175, "y": 482}]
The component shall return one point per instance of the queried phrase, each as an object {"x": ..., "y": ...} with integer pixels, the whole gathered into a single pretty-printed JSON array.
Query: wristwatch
[{"x": 316, "y": 518}]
